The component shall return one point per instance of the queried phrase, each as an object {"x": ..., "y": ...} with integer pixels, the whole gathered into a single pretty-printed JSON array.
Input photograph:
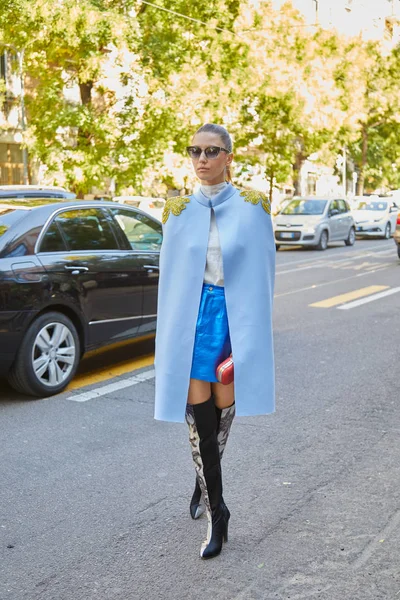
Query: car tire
[
  {"x": 48, "y": 356},
  {"x": 323, "y": 241},
  {"x": 388, "y": 232},
  {"x": 351, "y": 238},
  {"x": 277, "y": 246},
  {"x": 398, "y": 250}
]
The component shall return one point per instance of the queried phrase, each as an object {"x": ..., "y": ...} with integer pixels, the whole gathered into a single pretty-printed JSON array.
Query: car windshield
[
  {"x": 372, "y": 206},
  {"x": 8, "y": 217},
  {"x": 305, "y": 207}
]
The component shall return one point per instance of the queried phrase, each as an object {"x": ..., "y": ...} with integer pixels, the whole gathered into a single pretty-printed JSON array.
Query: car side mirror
[{"x": 333, "y": 212}]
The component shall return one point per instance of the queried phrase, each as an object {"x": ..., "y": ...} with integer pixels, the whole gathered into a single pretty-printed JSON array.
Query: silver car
[{"x": 314, "y": 222}]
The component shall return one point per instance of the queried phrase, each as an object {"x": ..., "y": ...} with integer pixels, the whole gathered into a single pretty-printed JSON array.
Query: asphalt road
[{"x": 94, "y": 493}]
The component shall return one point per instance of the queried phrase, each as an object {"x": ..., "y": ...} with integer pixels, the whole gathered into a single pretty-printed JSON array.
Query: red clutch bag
[{"x": 225, "y": 371}]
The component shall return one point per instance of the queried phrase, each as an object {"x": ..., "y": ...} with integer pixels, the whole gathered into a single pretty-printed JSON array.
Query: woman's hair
[{"x": 225, "y": 137}]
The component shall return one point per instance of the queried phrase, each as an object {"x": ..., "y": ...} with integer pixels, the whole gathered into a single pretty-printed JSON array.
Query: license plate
[{"x": 287, "y": 235}]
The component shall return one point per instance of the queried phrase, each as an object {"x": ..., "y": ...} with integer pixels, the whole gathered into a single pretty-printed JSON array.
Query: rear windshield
[
  {"x": 372, "y": 206},
  {"x": 134, "y": 203},
  {"x": 8, "y": 217}
]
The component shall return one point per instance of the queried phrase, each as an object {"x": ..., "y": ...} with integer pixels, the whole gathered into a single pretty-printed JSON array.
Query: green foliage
[{"x": 145, "y": 79}]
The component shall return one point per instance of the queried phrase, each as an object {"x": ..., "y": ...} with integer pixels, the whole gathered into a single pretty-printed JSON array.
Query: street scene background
[{"x": 102, "y": 97}]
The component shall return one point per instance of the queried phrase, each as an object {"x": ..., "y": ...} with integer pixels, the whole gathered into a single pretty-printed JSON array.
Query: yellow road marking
[
  {"x": 98, "y": 375},
  {"x": 118, "y": 345},
  {"x": 361, "y": 293}
]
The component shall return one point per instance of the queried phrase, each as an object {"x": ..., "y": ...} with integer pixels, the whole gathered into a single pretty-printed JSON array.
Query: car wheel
[
  {"x": 351, "y": 238},
  {"x": 323, "y": 241},
  {"x": 388, "y": 231},
  {"x": 48, "y": 356},
  {"x": 277, "y": 246},
  {"x": 398, "y": 250}
]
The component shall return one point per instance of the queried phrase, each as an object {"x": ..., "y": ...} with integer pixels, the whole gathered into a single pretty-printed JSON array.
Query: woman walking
[{"x": 217, "y": 270}]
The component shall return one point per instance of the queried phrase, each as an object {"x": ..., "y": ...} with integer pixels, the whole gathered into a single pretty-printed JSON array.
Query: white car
[
  {"x": 152, "y": 206},
  {"x": 375, "y": 218}
]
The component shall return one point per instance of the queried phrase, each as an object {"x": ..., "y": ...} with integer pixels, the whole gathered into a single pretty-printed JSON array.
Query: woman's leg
[
  {"x": 199, "y": 391},
  {"x": 224, "y": 394},
  {"x": 225, "y": 410},
  {"x": 201, "y": 417}
]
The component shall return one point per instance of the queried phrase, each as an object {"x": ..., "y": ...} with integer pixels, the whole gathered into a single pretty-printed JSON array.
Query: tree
[{"x": 368, "y": 81}]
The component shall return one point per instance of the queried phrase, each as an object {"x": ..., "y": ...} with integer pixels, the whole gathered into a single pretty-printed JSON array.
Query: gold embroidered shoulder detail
[
  {"x": 255, "y": 198},
  {"x": 175, "y": 206}
]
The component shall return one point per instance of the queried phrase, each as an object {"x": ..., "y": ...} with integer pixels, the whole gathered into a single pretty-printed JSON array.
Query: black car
[
  {"x": 73, "y": 276},
  {"x": 33, "y": 191}
]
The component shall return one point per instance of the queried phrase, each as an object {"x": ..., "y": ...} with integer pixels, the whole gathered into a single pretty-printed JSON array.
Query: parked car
[
  {"x": 375, "y": 218},
  {"x": 74, "y": 276},
  {"x": 314, "y": 222},
  {"x": 34, "y": 191},
  {"x": 397, "y": 235},
  {"x": 151, "y": 206}
]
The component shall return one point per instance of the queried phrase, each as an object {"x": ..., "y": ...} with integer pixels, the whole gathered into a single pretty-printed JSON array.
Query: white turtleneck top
[{"x": 214, "y": 273}]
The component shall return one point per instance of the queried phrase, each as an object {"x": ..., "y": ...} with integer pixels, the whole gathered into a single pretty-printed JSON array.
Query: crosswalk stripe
[{"x": 343, "y": 298}]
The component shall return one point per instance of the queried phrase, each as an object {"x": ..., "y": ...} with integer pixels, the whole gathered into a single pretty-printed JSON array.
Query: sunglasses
[{"x": 210, "y": 152}]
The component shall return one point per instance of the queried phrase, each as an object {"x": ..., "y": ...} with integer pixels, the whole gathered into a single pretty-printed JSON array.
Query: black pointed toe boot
[{"x": 202, "y": 422}]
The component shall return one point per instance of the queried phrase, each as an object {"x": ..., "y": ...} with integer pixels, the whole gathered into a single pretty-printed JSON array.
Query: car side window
[
  {"x": 52, "y": 241},
  {"x": 334, "y": 206},
  {"x": 342, "y": 206},
  {"x": 142, "y": 233},
  {"x": 86, "y": 229}
]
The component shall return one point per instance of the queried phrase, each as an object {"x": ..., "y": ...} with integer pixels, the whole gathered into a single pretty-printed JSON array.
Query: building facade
[{"x": 11, "y": 158}]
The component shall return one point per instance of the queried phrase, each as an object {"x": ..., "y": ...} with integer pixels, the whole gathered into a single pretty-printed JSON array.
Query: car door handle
[
  {"x": 75, "y": 270},
  {"x": 151, "y": 267}
]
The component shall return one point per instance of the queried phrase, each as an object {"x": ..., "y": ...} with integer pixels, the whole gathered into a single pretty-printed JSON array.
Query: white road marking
[
  {"x": 299, "y": 269},
  {"x": 378, "y": 296},
  {"x": 333, "y": 262},
  {"x": 328, "y": 257},
  {"x": 318, "y": 285},
  {"x": 112, "y": 387}
]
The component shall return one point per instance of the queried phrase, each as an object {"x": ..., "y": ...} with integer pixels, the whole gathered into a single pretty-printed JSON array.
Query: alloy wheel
[
  {"x": 387, "y": 231},
  {"x": 53, "y": 354}
]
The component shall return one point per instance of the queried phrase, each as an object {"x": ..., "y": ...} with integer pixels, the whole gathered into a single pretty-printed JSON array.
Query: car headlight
[{"x": 377, "y": 220}]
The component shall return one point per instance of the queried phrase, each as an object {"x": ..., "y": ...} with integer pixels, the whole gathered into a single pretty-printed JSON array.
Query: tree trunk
[
  {"x": 86, "y": 98},
  {"x": 271, "y": 185},
  {"x": 363, "y": 164},
  {"x": 297, "y": 166},
  {"x": 86, "y": 92}
]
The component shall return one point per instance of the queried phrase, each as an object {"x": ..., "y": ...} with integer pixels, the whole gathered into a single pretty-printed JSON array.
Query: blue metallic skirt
[{"x": 212, "y": 343}]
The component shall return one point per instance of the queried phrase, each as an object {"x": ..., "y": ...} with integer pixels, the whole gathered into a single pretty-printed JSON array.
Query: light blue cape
[{"x": 248, "y": 252}]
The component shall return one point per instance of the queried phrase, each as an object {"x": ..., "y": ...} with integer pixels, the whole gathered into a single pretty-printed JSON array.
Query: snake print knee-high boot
[
  {"x": 202, "y": 422},
  {"x": 225, "y": 418}
]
